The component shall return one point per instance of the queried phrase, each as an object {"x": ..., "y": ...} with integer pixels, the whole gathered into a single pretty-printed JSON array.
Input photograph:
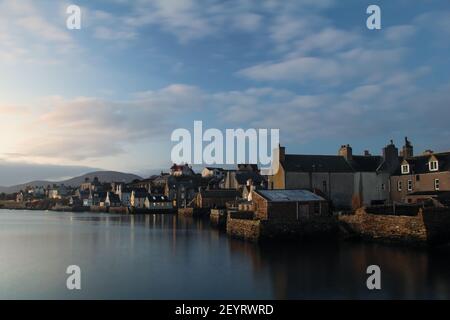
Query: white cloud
[
  {"x": 85, "y": 127},
  {"x": 88, "y": 128},
  {"x": 29, "y": 34},
  {"x": 360, "y": 64},
  {"x": 108, "y": 33},
  {"x": 400, "y": 33},
  {"x": 328, "y": 40},
  {"x": 247, "y": 21}
]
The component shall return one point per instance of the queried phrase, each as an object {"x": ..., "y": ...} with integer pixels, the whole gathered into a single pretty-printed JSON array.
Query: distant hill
[{"x": 103, "y": 176}]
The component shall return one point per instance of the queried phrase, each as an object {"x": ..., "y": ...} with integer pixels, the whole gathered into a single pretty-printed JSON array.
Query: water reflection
[{"x": 165, "y": 256}]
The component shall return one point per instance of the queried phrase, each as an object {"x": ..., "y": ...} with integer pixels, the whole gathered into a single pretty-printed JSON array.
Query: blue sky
[{"x": 109, "y": 95}]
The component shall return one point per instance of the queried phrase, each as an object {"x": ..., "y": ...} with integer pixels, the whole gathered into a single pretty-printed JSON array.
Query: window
[
  {"x": 418, "y": 177},
  {"x": 409, "y": 185},
  {"x": 399, "y": 185},
  {"x": 436, "y": 184},
  {"x": 433, "y": 165},
  {"x": 383, "y": 187},
  {"x": 324, "y": 183},
  {"x": 405, "y": 168}
]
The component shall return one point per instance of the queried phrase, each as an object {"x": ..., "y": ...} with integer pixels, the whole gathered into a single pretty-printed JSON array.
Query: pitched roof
[
  {"x": 289, "y": 195},
  {"x": 316, "y": 163},
  {"x": 220, "y": 193},
  {"x": 366, "y": 163},
  {"x": 419, "y": 164}
]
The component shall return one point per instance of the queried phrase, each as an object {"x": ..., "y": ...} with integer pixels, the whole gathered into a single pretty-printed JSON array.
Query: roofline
[{"x": 258, "y": 192}]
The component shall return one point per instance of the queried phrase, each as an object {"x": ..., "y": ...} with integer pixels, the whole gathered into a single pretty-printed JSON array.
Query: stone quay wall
[
  {"x": 260, "y": 230},
  {"x": 244, "y": 229},
  {"x": 428, "y": 226}
]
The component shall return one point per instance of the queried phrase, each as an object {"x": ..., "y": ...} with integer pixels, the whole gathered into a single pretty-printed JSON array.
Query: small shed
[{"x": 288, "y": 204}]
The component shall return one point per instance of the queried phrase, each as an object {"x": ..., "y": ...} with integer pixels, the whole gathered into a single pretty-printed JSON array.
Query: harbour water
[{"x": 170, "y": 257}]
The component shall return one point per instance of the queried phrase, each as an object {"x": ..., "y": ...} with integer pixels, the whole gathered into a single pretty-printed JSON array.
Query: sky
[{"x": 110, "y": 94}]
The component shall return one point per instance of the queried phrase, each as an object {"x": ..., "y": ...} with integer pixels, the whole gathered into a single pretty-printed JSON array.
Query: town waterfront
[{"x": 170, "y": 257}]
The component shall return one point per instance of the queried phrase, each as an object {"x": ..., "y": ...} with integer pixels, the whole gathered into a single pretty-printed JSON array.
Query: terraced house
[{"x": 421, "y": 178}]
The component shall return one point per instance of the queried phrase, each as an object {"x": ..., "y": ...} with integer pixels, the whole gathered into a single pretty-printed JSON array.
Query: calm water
[{"x": 165, "y": 257}]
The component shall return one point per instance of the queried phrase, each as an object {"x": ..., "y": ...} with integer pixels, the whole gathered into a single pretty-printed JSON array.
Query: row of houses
[
  {"x": 345, "y": 180},
  {"x": 350, "y": 180}
]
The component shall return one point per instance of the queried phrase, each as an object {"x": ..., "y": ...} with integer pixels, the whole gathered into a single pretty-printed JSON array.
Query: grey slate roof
[
  {"x": 419, "y": 164},
  {"x": 366, "y": 163},
  {"x": 316, "y": 163},
  {"x": 289, "y": 195}
]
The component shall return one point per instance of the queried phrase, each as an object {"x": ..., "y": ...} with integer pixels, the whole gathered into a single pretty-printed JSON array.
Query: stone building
[
  {"x": 138, "y": 197},
  {"x": 157, "y": 202},
  {"x": 346, "y": 179},
  {"x": 238, "y": 179},
  {"x": 93, "y": 185},
  {"x": 332, "y": 175},
  {"x": 215, "y": 198},
  {"x": 371, "y": 174},
  {"x": 422, "y": 177},
  {"x": 288, "y": 204},
  {"x": 182, "y": 189}
]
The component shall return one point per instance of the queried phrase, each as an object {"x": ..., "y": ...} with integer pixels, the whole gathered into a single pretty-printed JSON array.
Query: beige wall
[
  {"x": 277, "y": 181},
  {"x": 424, "y": 183}
]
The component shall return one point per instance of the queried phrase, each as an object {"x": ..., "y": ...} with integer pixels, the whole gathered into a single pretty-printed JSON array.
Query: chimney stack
[
  {"x": 390, "y": 156},
  {"x": 407, "y": 151},
  {"x": 346, "y": 152}
]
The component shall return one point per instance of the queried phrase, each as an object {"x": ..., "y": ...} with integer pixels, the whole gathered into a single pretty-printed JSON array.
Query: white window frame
[
  {"x": 409, "y": 185},
  {"x": 405, "y": 166},
  {"x": 399, "y": 185},
  {"x": 433, "y": 168},
  {"x": 436, "y": 184}
]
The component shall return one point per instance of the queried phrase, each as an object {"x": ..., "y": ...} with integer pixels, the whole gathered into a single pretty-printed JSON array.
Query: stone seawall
[
  {"x": 260, "y": 230},
  {"x": 428, "y": 226},
  {"x": 98, "y": 209},
  {"x": 194, "y": 212},
  {"x": 119, "y": 210},
  {"x": 244, "y": 229}
]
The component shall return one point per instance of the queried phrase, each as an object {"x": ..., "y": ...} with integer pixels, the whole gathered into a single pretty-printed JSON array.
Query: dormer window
[
  {"x": 405, "y": 168},
  {"x": 433, "y": 165}
]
